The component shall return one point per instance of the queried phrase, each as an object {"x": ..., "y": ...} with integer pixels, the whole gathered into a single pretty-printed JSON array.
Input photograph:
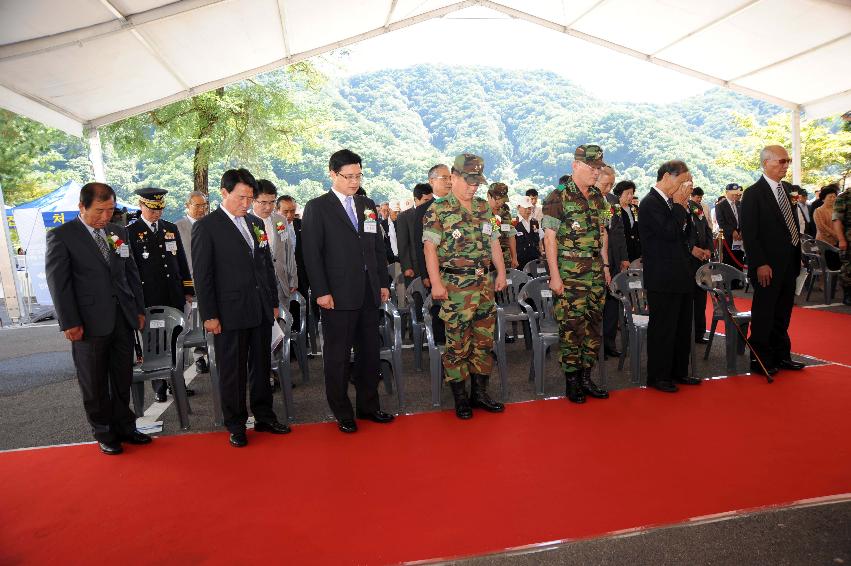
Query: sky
[{"x": 497, "y": 41}]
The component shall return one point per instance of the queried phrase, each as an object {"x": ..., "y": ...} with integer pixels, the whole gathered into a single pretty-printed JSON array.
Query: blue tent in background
[{"x": 62, "y": 205}]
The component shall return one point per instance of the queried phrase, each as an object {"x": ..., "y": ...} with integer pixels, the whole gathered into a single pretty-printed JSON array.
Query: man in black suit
[
  {"x": 700, "y": 248},
  {"x": 159, "y": 254},
  {"x": 668, "y": 277},
  {"x": 773, "y": 242},
  {"x": 625, "y": 192},
  {"x": 406, "y": 232},
  {"x": 238, "y": 302},
  {"x": 728, "y": 214},
  {"x": 97, "y": 295},
  {"x": 618, "y": 260},
  {"x": 806, "y": 224},
  {"x": 528, "y": 235},
  {"x": 347, "y": 265}
]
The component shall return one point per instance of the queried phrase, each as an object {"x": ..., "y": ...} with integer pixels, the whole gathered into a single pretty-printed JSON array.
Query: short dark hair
[
  {"x": 801, "y": 190},
  {"x": 674, "y": 167},
  {"x": 828, "y": 190},
  {"x": 340, "y": 159},
  {"x": 283, "y": 198},
  {"x": 92, "y": 192},
  {"x": 531, "y": 193},
  {"x": 623, "y": 186},
  {"x": 421, "y": 190},
  {"x": 265, "y": 187},
  {"x": 697, "y": 192},
  {"x": 232, "y": 177},
  {"x": 563, "y": 179}
]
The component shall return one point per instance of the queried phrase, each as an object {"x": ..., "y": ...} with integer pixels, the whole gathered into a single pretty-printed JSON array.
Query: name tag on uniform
[
  {"x": 487, "y": 229},
  {"x": 505, "y": 227},
  {"x": 171, "y": 247},
  {"x": 123, "y": 250},
  {"x": 370, "y": 227}
]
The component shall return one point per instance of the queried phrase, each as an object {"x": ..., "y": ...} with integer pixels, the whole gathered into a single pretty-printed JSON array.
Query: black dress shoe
[
  {"x": 688, "y": 380},
  {"x": 612, "y": 352},
  {"x": 756, "y": 368},
  {"x": 274, "y": 428},
  {"x": 665, "y": 386},
  {"x": 135, "y": 437},
  {"x": 378, "y": 416},
  {"x": 160, "y": 397},
  {"x": 111, "y": 448},
  {"x": 347, "y": 425},
  {"x": 789, "y": 364},
  {"x": 190, "y": 392},
  {"x": 201, "y": 366},
  {"x": 701, "y": 340},
  {"x": 238, "y": 439}
]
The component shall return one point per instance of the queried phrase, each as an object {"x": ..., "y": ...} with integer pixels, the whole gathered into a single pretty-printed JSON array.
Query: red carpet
[
  {"x": 431, "y": 486},
  {"x": 821, "y": 334}
]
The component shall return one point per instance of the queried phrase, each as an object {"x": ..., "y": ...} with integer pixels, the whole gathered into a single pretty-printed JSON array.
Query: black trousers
[
  {"x": 668, "y": 335},
  {"x": 771, "y": 312},
  {"x": 104, "y": 371},
  {"x": 343, "y": 330},
  {"x": 244, "y": 356},
  {"x": 610, "y": 321}
]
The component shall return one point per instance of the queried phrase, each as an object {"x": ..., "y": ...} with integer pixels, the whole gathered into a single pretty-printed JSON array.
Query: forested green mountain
[{"x": 524, "y": 123}]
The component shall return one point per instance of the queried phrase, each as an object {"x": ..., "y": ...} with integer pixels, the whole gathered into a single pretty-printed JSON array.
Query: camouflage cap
[
  {"x": 498, "y": 190},
  {"x": 470, "y": 168},
  {"x": 590, "y": 153}
]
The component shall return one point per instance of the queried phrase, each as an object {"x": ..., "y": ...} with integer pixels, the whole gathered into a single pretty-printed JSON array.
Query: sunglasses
[{"x": 783, "y": 161}]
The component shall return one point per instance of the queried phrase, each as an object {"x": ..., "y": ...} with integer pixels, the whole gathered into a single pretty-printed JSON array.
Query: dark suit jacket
[
  {"x": 165, "y": 275},
  {"x": 665, "y": 234},
  {"x": 633, "y": 240},
  {"x": 335, "y": 254},
  {"x": 617, "y": 237},
  {"x": 418, "y": 236},
  {"x": 727, "y": 220},
  {"x": 700, "y": 235},
  {"x": 231, "y": 284},
  {"x": 528, "y": 242},
  {"x": 405, "y": 238},
  {"x": 84, "y": 287},
  {"x": 303, "y": 281},
  {"x": 765, "y": 231}
]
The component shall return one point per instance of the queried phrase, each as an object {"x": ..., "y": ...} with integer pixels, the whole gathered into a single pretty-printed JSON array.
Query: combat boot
[
  {"x": 462, "y": 403},
  {"x": 590, "y": 388},
  {"x": 573, "y": 387},
  {"x": 479, "y": 397},
  {"x": 846, "y": 299}
]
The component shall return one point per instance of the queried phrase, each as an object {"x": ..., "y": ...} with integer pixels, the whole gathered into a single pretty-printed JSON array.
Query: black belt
[{"x": 467, "y": 270}]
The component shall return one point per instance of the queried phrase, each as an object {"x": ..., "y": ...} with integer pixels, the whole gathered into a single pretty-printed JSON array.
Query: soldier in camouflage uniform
[
  {"x": 497, "y": 199},
  {"x": 842, "y": 228},
  {"x": 461, "y": 244},
  {"x": 575, "y": 217}
]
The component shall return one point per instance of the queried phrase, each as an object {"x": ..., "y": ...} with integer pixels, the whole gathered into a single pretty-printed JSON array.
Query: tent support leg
[
  {"x": 796, "y": 146},
  {"x": 96, "y": 154}
]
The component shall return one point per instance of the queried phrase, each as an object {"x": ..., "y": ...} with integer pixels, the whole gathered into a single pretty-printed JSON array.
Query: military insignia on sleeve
[
  {"x": 456, "y": 234},
  {"x": 575, "y": 225}
]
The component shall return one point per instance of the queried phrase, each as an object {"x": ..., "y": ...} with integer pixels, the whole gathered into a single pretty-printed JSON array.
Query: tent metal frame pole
[
  {"x": 96, "y": 154},
  {"x": 12, "y": 294},
  {"x": 796, "y": 146}
]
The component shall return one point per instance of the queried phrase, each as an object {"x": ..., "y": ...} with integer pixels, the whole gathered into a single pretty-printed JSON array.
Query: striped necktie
[
  {"x": 787, "y": 213},
  {"x": 102, "y": 245}
]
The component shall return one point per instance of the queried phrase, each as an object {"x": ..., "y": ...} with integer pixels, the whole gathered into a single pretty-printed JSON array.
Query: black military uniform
[
  {"x": 528, "y": 242},
  {"x": 161, "y": 260}
]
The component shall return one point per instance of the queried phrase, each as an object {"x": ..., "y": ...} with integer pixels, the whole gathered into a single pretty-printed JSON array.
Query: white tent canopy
[{"x": 80, "y": 64}]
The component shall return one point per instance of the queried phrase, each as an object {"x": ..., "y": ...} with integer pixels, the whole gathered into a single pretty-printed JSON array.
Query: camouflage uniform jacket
[
  {"x": 506, "y": 232},
  {"x": 462, "y": 238},
  {"x": 842, "y": 212},
  {"x": 578, "y": 223}
]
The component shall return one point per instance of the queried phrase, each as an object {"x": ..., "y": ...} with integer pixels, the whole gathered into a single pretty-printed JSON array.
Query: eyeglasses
[
  {"x": 783, "y": 161},
  {"x": 264, "y": 202},
  {"x": 443, "y": 178},
  {"x": 354, "y": 177}
]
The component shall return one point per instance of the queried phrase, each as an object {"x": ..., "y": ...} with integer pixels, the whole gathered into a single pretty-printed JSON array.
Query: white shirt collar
[
  {"x": 771, "y": 182},
  {"x": 89, "y": 228},
  {"x": 234, "y": 219},
  {"x": 526, "y": 223},
  {"x": 341, "y": 197},
  {"x": 191, "y": 220},
  {"x": 658, "y": 190}
]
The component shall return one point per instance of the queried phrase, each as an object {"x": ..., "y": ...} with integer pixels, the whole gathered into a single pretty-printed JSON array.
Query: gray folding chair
[
  {"x": 391, "y": 351},
  {"x": 281, "y": 362},
  {"x": 536, "y": 299},
  {"x": 299, "y": 335},
  {"x": 415, "y": 294},
  {"x": 313, "y": 330},
  {"x": 717, "y": 279},
  {"x": 435, "y": 353},
  {"x": 818, "y": 269},
  {"x": 162, "y": 358},
  {"x": 507, "y": 299},
  {"x": 628, "y": 287},
  {"x": 536, "y": 268},
  {"x": 636, "y": 264},
  {"x": 195, "y": 333}
]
